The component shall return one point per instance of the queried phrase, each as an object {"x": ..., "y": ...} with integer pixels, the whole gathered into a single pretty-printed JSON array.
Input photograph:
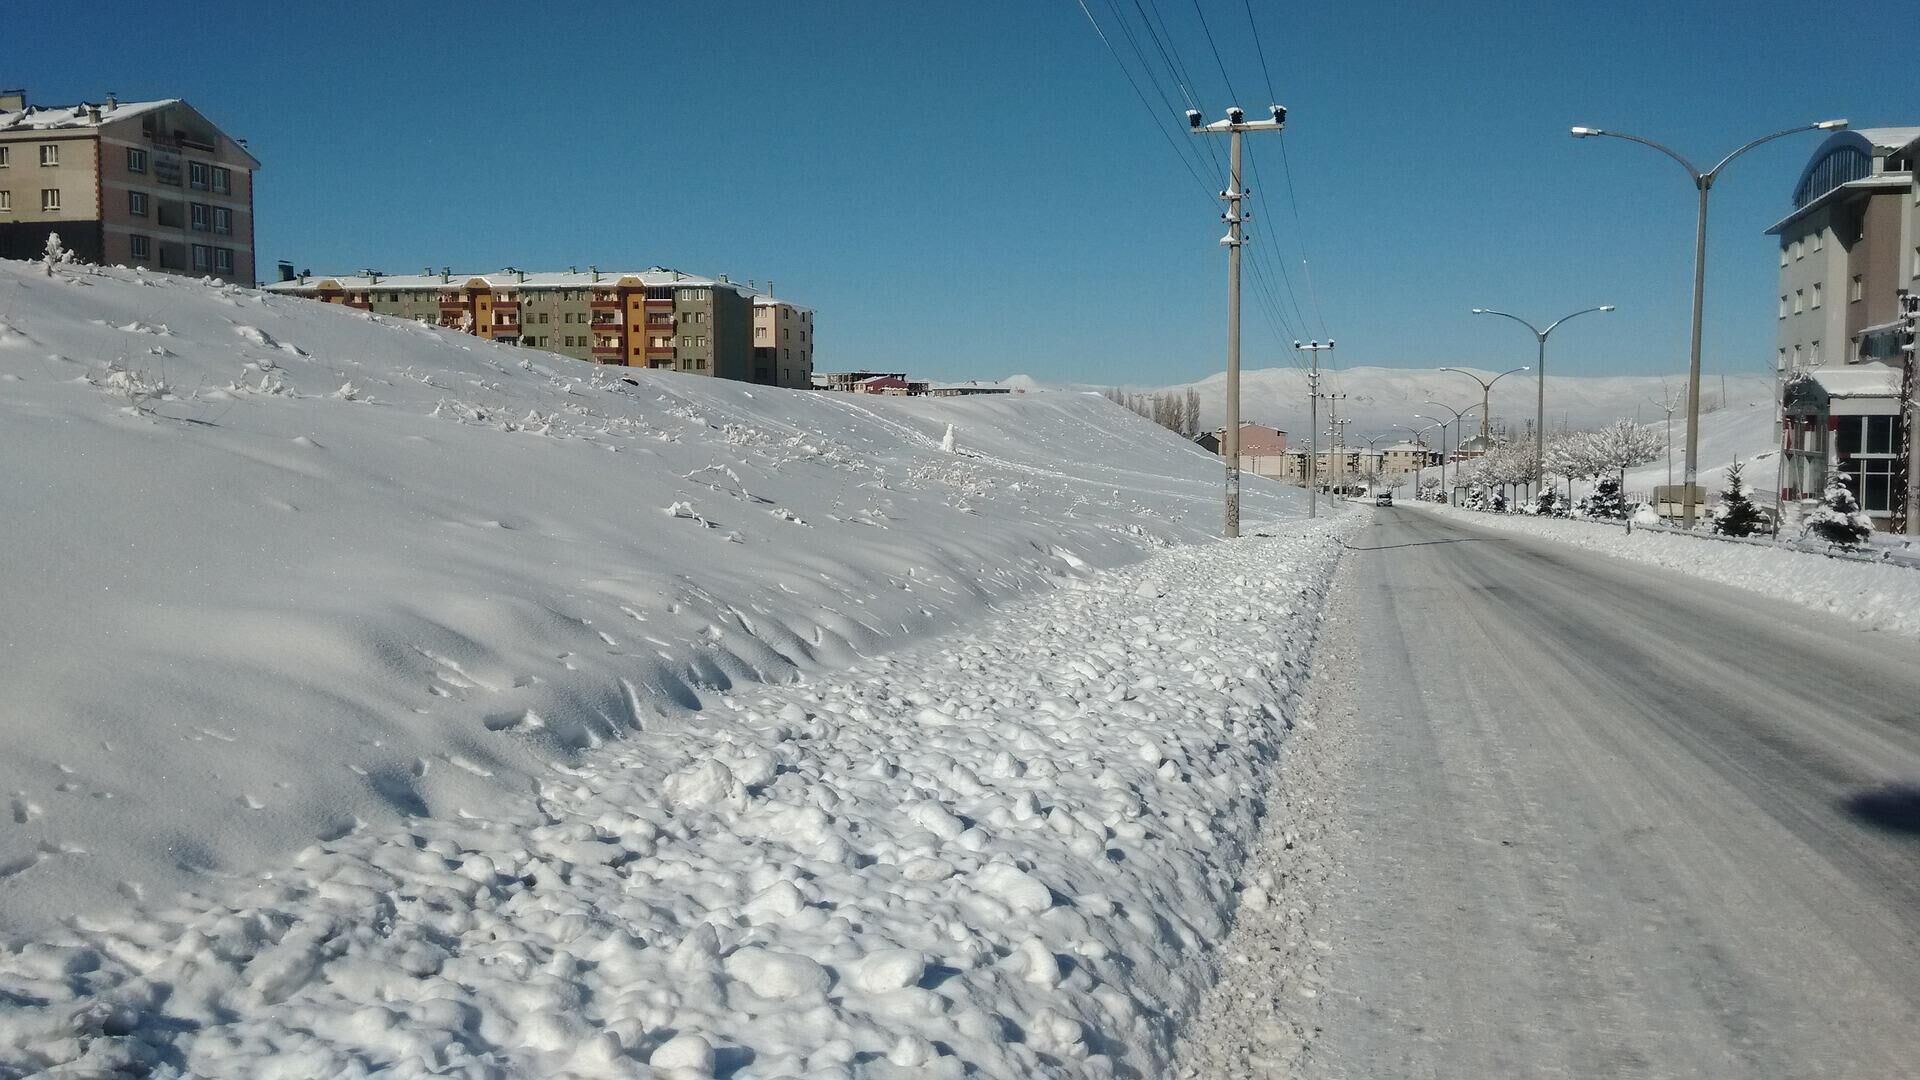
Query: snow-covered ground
[
  {"x": 601, "y": 707},
  {"x": 1741, "y": 433},
  {"x": 1876, "y": 595}
]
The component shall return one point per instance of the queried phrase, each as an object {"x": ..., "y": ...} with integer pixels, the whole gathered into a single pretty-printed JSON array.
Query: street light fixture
[
  {"x": 1458, "y": 414},
  {"x": 1703, "y": 182},
  {"x": 1486, "y": 391},
  {"x": 1540, "y": 399}
]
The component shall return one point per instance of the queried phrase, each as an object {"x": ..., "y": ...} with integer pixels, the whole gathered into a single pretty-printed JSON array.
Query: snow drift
[{"x": 620, "y": 721}]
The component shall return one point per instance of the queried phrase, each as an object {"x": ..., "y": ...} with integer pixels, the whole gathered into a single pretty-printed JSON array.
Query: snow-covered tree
[
  {"x": 1605, "y": 502},
  {"x": 56, "y": 253},
  {"x": 1624, "y": 444},
  {"x": 1838, "y": 519},
  {"x": 1736, "y": 515}
]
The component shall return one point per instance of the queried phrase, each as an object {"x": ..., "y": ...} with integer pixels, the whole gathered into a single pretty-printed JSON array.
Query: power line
[
  {"x": 1232, "y": 95},
  {"x": 1131, "y": 81}
]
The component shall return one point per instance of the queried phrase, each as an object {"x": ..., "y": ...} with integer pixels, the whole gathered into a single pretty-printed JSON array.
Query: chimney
[
  {"x": 113, "y": 101},
  {"x": 595, "y": 271},
  {"x": 286, "y": 270},
  {"x": 446, "y": 273},
  {"x": 426, "y": 271},
  {"x": 13, "y": 100},
  {"x": 303, "y": 276},
  {"x": 723, "y": 279},
  {"x": 93, "y": 114},
  {"x": 769, "y": 288},
  {"x": 573, "y": 269}
]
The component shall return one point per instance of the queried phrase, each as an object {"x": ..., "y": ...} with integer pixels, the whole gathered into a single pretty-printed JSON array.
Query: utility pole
[
  {"x": 1234, "y": 125},
  {"x": 1340, "y": 448},
  {"x": 1908, "y": 516},
  {"x": 1333, "y": 429},
  {"x": 1669, "y": 405},
  {"x": 1313, "y": 349}
]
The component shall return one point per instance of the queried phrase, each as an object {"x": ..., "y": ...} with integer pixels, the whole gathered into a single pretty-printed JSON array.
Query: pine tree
[
  {"x": 1736, "y": 515},
  {"x": 1838, "y": 519},
  {"x": 1605, "y": 502},
  {"x": 1548, "y": 503}
]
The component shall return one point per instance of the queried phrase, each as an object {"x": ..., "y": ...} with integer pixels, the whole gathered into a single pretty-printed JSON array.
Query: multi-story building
[
  {"x": 1356, "y": 463},
  {"x": 1848, "y": 251},
  {"x": 656, "y": 318},
  {"x": 782, "y": 343},
  {"x": 136, "y": 183}
]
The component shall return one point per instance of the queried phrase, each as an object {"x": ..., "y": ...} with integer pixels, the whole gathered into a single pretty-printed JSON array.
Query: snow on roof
[
  {"x": 1889, "y": 138},
  {"x": 507, "y": 279},
  {"x": 41, "y": 118},
  {"x": 770, "y": 301},
  {"x": 1859, "y": 380}
]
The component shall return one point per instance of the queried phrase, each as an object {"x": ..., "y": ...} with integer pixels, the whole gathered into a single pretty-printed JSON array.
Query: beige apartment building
[
  {"x": 782, "y": 343},
  {"x": 1849, "y": 252},
  {"x": 134, "y": 183},
  {"x": 657, "y": 318}
]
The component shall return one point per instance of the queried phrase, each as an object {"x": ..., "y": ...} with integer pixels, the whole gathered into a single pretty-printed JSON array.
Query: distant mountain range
[{"x": 1379, "y": 398}]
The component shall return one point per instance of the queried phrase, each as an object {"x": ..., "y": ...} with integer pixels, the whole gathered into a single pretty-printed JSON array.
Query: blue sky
[{"x": 973, "y": 190}]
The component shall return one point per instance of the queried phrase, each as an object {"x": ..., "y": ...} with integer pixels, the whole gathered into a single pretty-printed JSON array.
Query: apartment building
[
  {"x": 1849, "y": 251},
  {"x": 135, "y": 183},
  {"x": 657, "y": 318},
  {"x": 782, "y": 343}
]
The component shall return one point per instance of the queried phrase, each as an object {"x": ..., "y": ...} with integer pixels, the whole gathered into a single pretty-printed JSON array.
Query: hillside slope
[{"x": 278, "y": 571}]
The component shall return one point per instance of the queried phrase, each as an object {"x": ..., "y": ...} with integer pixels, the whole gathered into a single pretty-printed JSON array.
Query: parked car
[{"x": 1385, "y": 498}]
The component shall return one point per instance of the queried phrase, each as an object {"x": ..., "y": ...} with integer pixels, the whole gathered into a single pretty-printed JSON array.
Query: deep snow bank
[
  {"x": 1008, "y": 853},
  {"x": 277, "y": 572},
  {"x": 1877, "y": 596}
]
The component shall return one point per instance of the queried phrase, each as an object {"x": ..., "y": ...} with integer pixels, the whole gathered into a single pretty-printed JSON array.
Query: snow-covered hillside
[{"x": 346, "y": 570}]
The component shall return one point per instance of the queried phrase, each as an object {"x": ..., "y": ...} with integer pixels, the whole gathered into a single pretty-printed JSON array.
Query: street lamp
[
  {"x": 1486, "y": 391},
  {"x": 1419, "y": 440},
  {"x": 1540, "y": 401},
  {"x": 1457, "y": 415},
  {"x": 1703, "y": 181},
  {"x": 1373, "y": 450}
]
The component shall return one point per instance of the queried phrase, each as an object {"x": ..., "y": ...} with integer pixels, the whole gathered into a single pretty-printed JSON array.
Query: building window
[
  {"x": 222, "y": 180},
  {"x": 136, "y": 160},
  {"x": 1799, "y": 300},
  {"x": 6, "y": 202},
  {"x": 1796, "y": 357},
  {"x": 1783, "y": 254},
  {"x": 141, "y": 246},
  {"x": 1813, "y": 354},
  {"x": 1799, "y": 250},
  {"x": 1855, "y": 290},
  {"x": 1816, "y": 294},
  {"x": 543, "y": 316},
  {"x": 202, "y": 257},
  {"x": 50, "y": 198},
  {"x": 137, "y": 203},
  {"x": 223, "y": 224},
  {"x": 50, "y": 154},
  {"x": 1783, "y": 305},
  {"x": 1916, "y": 264},
  {"x": 223, "y": 260},
  {"x": 202, "y": 217},
  {"x": 197, "y": 175},
  {"x": 1782, "y": 364},
  {"x": 1819, "y": 240},
  {"x": 6, "y": 156}
]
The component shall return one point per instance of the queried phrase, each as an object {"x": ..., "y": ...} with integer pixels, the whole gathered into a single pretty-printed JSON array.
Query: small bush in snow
[{"x": 1605, "y": 502}]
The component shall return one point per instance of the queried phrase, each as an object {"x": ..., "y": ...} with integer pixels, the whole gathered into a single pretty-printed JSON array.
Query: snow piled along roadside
[
  {"x": 1876, "y": 596},
  {"x": 279, "y": 571},
  {"x": 1007, "y": 851}
]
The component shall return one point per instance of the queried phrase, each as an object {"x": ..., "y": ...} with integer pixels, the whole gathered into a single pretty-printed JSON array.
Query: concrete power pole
[
  {"x": 1313, "y": 422},
  {"x": 1910, "y": 412},
  {"x": 1333, "y": 440},
  {"x": 1234, "y": 125}
]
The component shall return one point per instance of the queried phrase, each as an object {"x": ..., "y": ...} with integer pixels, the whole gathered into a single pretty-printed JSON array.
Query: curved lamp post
[
  {"x": 1486, "y": 391},
  {"x": 1457, "y": 414},
  {"x": 1540, "y": 403},
  {"x": 1703, "y": 181}
]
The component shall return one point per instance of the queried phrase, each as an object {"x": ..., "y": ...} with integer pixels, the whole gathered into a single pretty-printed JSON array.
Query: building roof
[
  {"x": 1889, "y": 138},
  {"x": 1858, "y": 380},
  {"x": 770, "y": 301},
  {"x": 43, "y": 118},
  {"x": 508, "y": 279}
]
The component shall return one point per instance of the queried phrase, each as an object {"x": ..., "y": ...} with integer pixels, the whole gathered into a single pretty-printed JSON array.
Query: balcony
[
  {"x": 610, "y": 325},
  {"x": 608, "y": 302}
]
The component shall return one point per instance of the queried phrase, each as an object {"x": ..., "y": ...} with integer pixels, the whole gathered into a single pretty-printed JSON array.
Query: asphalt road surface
[{"x": 1598, "y": 819}]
